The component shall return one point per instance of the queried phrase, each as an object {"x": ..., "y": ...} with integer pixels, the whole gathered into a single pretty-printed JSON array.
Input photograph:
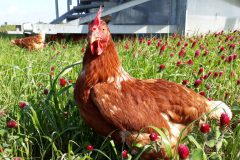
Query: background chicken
[
  {"x": 111, "y": 100},
  {"x": 32, "y": 42}
]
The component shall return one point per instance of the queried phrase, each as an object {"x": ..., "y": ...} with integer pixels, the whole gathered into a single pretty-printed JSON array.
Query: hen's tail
[
  {"x": 41, "y": 35},
  {"x": 219, "y": 107}
]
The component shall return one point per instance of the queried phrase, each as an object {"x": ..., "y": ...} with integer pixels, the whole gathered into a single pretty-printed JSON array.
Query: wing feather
[{"x": 140, "y": 103}]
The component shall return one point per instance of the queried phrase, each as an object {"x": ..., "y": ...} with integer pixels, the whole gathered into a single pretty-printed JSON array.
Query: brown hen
[
  {"x": 32, "y": 42},
  {"x": 110, "y": 100}
]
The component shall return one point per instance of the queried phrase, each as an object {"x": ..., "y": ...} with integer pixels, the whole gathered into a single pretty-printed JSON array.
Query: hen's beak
[
  {"x": 96, "y": 46},
  {"x": 93, "y": 39}
]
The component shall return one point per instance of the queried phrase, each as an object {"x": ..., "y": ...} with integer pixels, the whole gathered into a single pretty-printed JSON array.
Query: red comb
[{"x": 97, "y": 18}]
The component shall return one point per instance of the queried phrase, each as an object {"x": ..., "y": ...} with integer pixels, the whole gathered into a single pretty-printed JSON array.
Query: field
[{"x": 39, "y": 119}]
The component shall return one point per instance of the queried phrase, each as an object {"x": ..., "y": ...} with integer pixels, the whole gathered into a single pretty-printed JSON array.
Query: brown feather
[
  {"x": 31, "y": 43},
  {"x": 146, "y": 101},
  {"x": 111, "y": 100}
]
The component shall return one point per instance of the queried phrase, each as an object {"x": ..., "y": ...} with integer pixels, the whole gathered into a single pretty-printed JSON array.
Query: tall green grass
[{"x": 50, "y": 126}]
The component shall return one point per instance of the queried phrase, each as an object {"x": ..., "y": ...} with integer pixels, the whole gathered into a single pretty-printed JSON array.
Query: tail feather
[
  {"x": 42, "y": 36},
  {"x": 219, "y": 107}
]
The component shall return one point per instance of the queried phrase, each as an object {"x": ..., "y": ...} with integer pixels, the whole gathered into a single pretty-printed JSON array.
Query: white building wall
[{"x": 212, "y": 15}]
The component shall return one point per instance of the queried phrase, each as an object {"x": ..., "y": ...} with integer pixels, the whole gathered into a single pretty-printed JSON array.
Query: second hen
[
  {"x": 32, "y": 42},
  {"x": 111, "y": 101}
]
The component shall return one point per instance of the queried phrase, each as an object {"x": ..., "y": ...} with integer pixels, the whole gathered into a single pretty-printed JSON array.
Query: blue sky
[{"x": 20, "y": 11}]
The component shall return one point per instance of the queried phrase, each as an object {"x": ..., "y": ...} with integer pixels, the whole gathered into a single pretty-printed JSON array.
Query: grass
[{"x": 50, "y": 127}]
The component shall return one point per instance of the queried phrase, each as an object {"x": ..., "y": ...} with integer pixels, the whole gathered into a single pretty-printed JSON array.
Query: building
[{"x": 146, "y": 16}]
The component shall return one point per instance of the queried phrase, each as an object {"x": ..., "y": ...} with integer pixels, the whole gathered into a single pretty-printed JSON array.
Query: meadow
[{"x": 40, "y": 120}]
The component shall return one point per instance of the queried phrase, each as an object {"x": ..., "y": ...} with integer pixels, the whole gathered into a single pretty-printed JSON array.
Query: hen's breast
[
  {"x": 94, "y": 119},
  {"x": 88, "y": 111}
]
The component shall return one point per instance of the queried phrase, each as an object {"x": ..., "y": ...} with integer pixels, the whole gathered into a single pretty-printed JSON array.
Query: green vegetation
[{"x": 46, "y": 122}]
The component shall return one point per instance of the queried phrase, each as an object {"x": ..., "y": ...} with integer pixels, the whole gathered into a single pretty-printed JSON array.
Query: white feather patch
[
  {"x": 219, "y": 107},
  {"x": 123, "y": 76}
]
